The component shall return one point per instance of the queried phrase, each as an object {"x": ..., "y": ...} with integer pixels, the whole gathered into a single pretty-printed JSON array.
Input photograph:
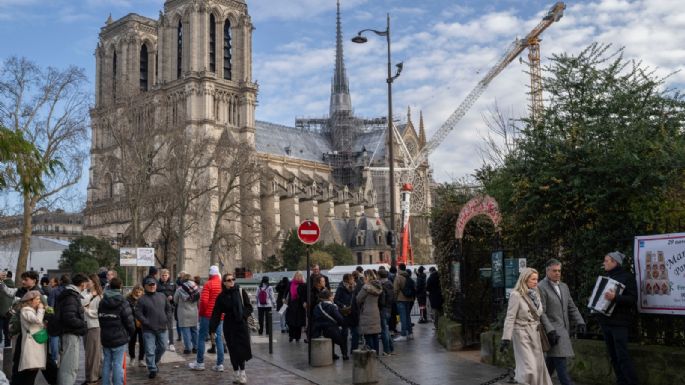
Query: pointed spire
[
  {"x": 109, "y": 20},
  {"x": 340, "y": 89},
  {"x": 422, "y": 130},
  {"x": 409, "y": 115}
]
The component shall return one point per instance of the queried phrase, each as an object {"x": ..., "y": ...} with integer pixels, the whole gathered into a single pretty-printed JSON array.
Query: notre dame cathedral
[{"x": 191, "y": 70}]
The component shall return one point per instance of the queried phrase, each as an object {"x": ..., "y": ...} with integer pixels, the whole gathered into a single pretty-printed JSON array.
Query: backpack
[
  {"x": 387, "y": 297},
  {"x": 262, "y": 297},
  {"x": 409, "y": 289}
]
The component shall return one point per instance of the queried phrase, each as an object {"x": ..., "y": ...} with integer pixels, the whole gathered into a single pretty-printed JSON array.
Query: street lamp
[{"x": 360, "y": 39}]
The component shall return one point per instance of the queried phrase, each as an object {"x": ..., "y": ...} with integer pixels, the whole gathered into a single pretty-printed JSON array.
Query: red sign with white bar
[{"x": 308, "y": 232}]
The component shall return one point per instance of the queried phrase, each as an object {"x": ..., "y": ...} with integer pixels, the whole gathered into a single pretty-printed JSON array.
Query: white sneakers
[
  {"x": 142, "y": 364},
  {"x": 172, "y": 348},
  {"x": 410, "y": 336},
  {"x": 196, "y": 366},
  {"x": 400, "y": 338},
  {"x": 236, "y": 376},
  {"x": 243, "y": 377},
  {"x": 218, "y": 368}
]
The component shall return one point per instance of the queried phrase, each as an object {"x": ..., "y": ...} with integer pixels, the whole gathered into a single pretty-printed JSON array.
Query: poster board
[
  {"x": 146, "y": 256},
  {"x": 512, "y": 269},
  {"x": 498, "y": 269},
  {"x": 128, "y": 256},
  {"x": 660, "y": 273}
]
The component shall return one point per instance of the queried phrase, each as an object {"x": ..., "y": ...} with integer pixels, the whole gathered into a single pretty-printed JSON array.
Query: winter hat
[
  {"x": 149, "y": 281},
  {"x": 617, "y": 256},
  {"x": 213, "y": 270},
  {"x": 30, "y": 295}
]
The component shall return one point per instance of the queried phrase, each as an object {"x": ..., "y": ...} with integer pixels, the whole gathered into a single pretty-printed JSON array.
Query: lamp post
[{"x": 360, "y": 39}]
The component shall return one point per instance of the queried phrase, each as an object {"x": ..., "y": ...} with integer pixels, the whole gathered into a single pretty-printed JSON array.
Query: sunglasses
[
  {"x": 151, "y": 284},
  {"x": 229, "y": 280}
]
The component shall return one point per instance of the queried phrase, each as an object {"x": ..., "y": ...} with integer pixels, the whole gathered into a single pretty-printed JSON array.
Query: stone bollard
[
  {"x": 364, "y": 367},
  {"x": 321, "y": 351}
]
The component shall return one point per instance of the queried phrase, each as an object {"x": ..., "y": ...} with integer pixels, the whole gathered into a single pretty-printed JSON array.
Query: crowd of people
[
  {"x": 362, "y": 311},
  {"x": 51, "y": 317}
]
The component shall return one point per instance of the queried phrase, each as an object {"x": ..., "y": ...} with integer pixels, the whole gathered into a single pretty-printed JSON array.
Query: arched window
[
  {"x": 212, "y": 43},
  {"x": 179, "y": 50},
  {"x": 227, "y": 50},
  {"x": 114, "y": 75},
  {"x": 143, "y": 68}
]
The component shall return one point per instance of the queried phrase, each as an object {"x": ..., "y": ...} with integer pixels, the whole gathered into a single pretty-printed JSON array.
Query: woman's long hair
[
  {"x": 521, "y": 284},
  {"x": 265, "y": 281},
  {"x": 96, "y": 284}
]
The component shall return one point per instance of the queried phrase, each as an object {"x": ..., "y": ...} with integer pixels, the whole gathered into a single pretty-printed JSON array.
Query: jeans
[
  {"x": 202, "y": 334},
  {"x": 156, "y": 343},
  {"x": 616, "y": 339},
  {"x": 371, "y": 340},
  {"x": 68, "y": 365},
  {"x": 388, "y": 346},
  {"x": 54, "y": 348},
  {"x": 189, "y": 335},
  {"x": 112, "y": 365},
  {"x": 558, "y": 364},
  {"x": 404, "y": 308}
]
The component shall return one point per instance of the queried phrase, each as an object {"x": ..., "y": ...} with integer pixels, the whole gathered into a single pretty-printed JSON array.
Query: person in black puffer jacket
[
  {"x": 116, "y": 326},
  {"x": 327, "y": 322},
  {"x": 616, "y": 327},
  {"x": 71, "y": 326}
]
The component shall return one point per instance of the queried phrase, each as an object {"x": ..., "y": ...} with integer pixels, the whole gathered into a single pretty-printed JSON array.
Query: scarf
[
  {"x": 533, "y": 295},
  {"x": 234, "y": 301},
  {"x": 293, "y": 290}
]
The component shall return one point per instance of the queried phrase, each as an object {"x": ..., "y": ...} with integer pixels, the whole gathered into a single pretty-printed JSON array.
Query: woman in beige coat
[
  {"x": 33, "y": 354},
  {"x": 93, "y": 347},
  {"x": 521, "y": 329}
]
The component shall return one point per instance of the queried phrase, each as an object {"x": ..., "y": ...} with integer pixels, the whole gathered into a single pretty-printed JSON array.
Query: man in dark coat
[
  {"x": 421, "y": 294},
  {"x": 152, "y": 311},
  {"x": 615, "y": 327},
  {"x": 560, "y": 317},
  {"x": 71, "y": 326},
  {"x": 327, "y": 322},
  {"x": 116, "y": 326},
  {"x": 434, "y": 294}
]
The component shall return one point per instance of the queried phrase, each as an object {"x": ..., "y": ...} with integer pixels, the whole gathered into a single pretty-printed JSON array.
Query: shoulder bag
[
  {"x": 251, "y": 322},
  {"x": 544, "y": 341}
]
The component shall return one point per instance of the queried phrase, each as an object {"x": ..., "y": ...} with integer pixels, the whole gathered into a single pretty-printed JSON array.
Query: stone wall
[{"x": 655, "y": 365}]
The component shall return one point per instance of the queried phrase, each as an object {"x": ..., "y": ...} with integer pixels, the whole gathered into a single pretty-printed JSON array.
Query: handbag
[
  {"x": 544, "y": 341},
  {"x": 40, "y": 336},
  {"x": 251, "y": 322}
]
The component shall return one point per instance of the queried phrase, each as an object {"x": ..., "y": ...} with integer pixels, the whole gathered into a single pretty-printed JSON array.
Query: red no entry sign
[{"x": 308, "y": 232}]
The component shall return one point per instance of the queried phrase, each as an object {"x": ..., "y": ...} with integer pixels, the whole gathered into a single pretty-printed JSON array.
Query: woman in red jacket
[{"x": 210, "y": 292}]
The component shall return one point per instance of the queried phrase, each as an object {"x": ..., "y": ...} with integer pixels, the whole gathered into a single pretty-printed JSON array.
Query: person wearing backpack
[
  {"x": 186, "y": 299},
  {"x": 405, "y": 291},
  {"x": 265, "y": 301},
  {"x": 117, "y": 325}
]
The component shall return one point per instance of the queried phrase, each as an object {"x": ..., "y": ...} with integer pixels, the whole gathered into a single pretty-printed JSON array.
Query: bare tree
[
  {"x": 500, "y": 139},
  {"x": 50, "y": 108},
  {"x": 185, "y": 181},
  {"x": 136, "y": 164},
  {"x": 236, "y": 194}
]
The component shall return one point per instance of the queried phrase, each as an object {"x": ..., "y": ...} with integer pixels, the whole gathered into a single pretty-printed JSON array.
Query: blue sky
[{"x": 446, "y": 46}]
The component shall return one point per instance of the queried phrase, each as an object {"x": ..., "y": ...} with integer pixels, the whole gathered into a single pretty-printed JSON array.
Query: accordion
[{"x": 597, "y": 302}]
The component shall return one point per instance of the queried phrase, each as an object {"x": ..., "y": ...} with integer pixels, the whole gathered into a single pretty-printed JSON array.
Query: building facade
[{"x": 190, "y": 71}]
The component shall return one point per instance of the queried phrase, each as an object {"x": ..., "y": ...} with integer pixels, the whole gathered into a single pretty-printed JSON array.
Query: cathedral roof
[{"x": 276, "y": 139}]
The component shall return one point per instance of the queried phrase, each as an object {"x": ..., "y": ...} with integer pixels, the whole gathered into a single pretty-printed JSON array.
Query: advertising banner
[
  {"x": 146, "y": 256},
  {"x": 660, "y": 273},
  {"x": 127, "y": 257}
]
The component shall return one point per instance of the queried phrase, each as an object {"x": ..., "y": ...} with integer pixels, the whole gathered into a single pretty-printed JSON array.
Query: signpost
[{"x": 308, "y": 232}]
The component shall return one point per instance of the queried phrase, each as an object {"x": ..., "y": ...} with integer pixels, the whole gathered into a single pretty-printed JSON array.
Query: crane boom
[{"x": 554, "y": 14}]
